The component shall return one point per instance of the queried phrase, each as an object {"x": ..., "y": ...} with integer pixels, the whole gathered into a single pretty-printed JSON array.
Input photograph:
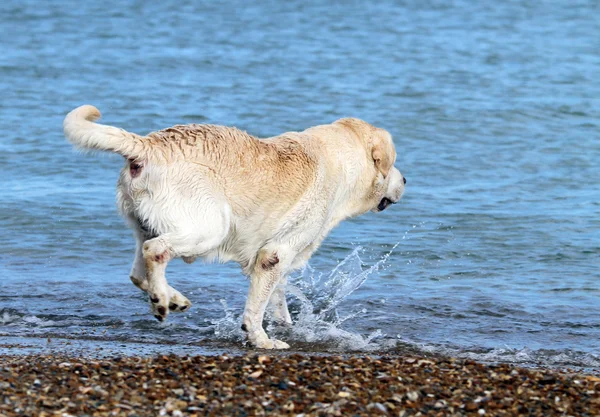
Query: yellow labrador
[{"x": 221, "y": 194}]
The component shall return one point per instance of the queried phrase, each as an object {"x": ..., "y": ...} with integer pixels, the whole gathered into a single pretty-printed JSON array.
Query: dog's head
[{"x": 386, "y": 182}]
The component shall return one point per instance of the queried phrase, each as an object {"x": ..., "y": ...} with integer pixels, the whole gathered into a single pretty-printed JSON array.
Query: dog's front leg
[
  {"x": 268, "y": 270},
  {"x": 278, "y": 303}
]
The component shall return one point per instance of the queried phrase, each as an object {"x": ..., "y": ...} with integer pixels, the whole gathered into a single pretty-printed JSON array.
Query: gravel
[{"x": 296, "y": 385}]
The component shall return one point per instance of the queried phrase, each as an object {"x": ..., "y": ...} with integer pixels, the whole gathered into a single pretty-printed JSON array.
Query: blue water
[{"x": 495, "y": 112}]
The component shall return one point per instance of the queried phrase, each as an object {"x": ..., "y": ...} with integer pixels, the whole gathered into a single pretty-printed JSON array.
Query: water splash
[
  {"x": 228, "y": 327},
  {"x": 314, "y": 308},
  {"x": 319, "y": 296},
  {"x": 14, "y": 318},
  {"x": 517, "y": 356}
]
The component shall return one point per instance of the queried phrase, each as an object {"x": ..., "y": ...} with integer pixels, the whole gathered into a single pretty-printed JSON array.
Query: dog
[{"x": 218, "y": 193}]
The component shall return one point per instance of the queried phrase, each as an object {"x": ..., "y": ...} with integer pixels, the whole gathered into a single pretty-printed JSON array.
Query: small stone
[
  {"x": 397, "y": 398},
  {"x": 256, "y": 374},
  {"x": 413, "y": 396},
  {"x": 377, "y": 407},
  {"x": 310, "y": 385},
  {"x": 471, "y": 406},
  {"x": 262, "y": 359}
]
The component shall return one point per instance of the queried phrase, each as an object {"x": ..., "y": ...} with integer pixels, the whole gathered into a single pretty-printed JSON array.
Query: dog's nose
[{"x": 404, "y": 179}]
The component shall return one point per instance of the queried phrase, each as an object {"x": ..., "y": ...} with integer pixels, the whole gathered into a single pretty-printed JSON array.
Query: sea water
[{"x": 492, "y": 253}]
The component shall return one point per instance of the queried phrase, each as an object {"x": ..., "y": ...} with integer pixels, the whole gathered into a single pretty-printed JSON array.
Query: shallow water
[{"x": 495, "y": 112}]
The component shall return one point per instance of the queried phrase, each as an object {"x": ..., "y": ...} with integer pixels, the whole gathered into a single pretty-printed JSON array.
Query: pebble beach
[
  {"x": 264, "y": 384},
  {"x": 477, "y": 295}
]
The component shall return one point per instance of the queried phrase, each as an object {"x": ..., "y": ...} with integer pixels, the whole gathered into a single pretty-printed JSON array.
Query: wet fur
[{"x": 219, "y": 193}]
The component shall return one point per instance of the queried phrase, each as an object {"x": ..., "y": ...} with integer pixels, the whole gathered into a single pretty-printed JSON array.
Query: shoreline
[
  {"x": 100, "y": 347},
  {"x": 270, "y": 383}
]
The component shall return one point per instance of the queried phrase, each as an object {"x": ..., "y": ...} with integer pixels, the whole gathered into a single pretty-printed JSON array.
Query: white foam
[
  {"x": 523, "y": 356},
  {"x": 316, "y": 298},
  {"x": 13, "y": 318},
  {"x": 316, "y": 318}
]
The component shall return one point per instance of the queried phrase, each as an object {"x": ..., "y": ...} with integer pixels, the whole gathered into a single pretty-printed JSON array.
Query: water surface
[{"x": 494, "y": 109}]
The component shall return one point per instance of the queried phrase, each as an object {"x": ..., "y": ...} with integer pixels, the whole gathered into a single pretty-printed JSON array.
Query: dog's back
[{"x": 209, "y": 179}]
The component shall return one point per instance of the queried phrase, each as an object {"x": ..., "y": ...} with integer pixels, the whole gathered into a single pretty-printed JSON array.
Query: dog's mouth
[{"x": 384, "y": 203}]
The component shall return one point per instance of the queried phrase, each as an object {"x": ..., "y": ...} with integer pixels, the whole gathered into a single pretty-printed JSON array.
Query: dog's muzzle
[{"x": 384, "y": 203}]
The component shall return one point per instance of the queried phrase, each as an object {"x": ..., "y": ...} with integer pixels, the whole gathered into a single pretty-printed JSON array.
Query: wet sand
[{"x": 286, "y": 384}]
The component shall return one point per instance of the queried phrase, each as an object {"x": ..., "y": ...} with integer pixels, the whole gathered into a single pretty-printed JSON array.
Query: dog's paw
[
  {"x": 262, "y": 341},
  {"x": 178, "y": 303},
  {"x": 159, "y": 304},
  {"x": 278, "y": 344},
  {"x": 271, "y": 344}
]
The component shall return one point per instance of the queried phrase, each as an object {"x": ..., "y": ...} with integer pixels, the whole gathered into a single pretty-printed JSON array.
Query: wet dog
[{"x": 218, "y": 193}]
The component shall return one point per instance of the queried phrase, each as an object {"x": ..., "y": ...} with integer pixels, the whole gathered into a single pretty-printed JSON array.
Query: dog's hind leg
[
  {"x": 178, "y": 302},
  {"x": 156, "y": 256},
  {"x": 159, "y": 251},
  {"x": 138, "y": 269}
]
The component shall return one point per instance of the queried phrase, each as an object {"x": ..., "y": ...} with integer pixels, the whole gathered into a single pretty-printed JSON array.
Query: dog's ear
[
  {"x": 378, "y": 140},
  {"x": 383, "y": 152},
  {"x": 356, "y": 126}
]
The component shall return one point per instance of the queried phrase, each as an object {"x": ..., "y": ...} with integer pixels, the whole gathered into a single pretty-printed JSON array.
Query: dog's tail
[{"x": 82, "y": 132}]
